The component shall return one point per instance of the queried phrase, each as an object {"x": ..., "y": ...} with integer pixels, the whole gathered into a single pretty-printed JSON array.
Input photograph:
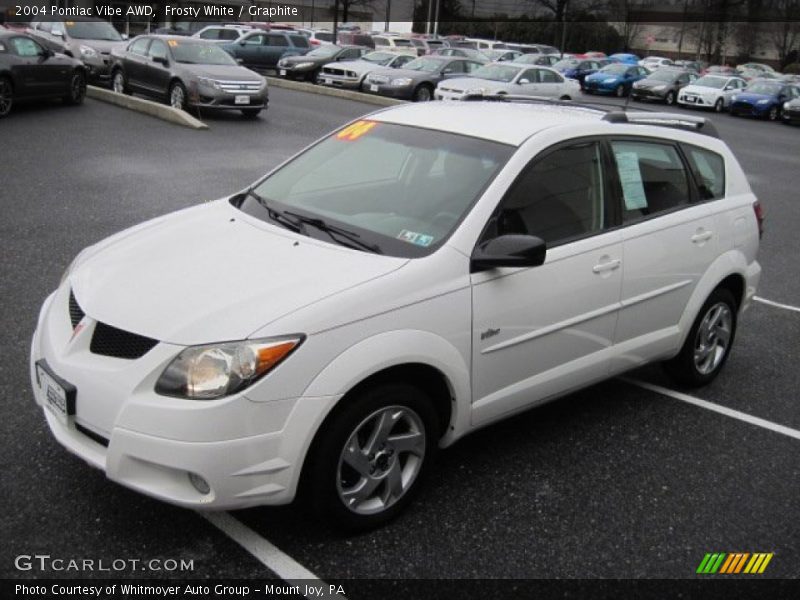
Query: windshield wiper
[
  {"x": 352, "y": 238},
  {"x": 278, "y": 216}
]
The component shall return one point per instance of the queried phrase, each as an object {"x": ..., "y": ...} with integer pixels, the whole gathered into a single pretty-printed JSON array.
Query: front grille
[
  {"x": 95, "y": 437},
  {"x": 333, "y": 71},
  {"x": 75, "y": 311},
  {"x": 240, "y": 86},
  {"x": 110, "y": 341}
]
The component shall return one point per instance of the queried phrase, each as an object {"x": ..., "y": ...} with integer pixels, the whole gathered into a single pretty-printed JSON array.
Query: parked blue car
[
  {"x": 579, "y": 69},
  {"x": 616, "y": 78},
  {"x": 763, "y": 99},
  {"x": 621, "y": 57}
]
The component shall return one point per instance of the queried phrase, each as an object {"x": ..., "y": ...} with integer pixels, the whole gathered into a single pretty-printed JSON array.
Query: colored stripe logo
[{"x": 731, "y": 563}]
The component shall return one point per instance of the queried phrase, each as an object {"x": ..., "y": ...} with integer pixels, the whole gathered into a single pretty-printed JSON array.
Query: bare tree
[{"x": 785, "y": 32}]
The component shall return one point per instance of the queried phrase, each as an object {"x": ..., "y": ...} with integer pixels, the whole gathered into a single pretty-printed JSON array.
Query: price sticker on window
[{"x": 352, "y": 132}]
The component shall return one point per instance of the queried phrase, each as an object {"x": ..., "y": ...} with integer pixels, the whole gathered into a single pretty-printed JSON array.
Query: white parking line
[
  {"x": 723, "y": 410},
  {"x": 277, "y": 561},
  {"x": 776, "y": 304}
]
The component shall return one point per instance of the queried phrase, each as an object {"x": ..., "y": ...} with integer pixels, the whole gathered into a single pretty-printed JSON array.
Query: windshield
[
  {"x": 194, "y": 53},
  {"x": 567, "y": 63},
  {"x": 92, "y": 30},
  {"x": 403, "y": 189},
  {"x": 503, "y": 73},
  {"x": 324, "y": 51},
  {"x": 711, "y": 82},
  {"x": 768, "y": 89},
  {"x": 615, "y": 69},
  {"x": 379, "y": 58},
  {"x": 424, "y": 64},
  {"x": 663, "y": 75}
]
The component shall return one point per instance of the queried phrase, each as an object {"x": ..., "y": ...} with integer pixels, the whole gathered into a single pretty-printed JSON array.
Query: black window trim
[{"x": 610, "y": 206}]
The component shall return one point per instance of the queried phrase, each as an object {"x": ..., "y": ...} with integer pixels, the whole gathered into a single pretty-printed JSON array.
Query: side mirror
[
  {"x": 46, "y": 53},
  {"x": 161, "y": 60},
  {"x": 509, "y": 251},
  {"x": 523, "y": 81},
  {"x": 240, "y": 61},
  {"x": 59, "y": 34},
  {"x": 125, "y": 36}
]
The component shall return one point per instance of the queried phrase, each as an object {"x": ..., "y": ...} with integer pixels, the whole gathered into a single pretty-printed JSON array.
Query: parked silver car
[
  {"x": 510, "y": 78},
  {"x": 350, "y": 74}
]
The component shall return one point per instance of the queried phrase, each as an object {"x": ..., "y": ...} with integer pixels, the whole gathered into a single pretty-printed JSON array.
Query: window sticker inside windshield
[
  {"x": 173, "y": 43},
  {"x": 631, "y": 179},
  {"x": 418, "y": 239},
  {"x": 355, "y": 131},
  {"x": 69, "y": 23}
]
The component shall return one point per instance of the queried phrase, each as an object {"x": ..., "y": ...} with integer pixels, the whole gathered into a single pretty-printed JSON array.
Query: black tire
[
  {"x": 684, "y": 368},
  {"x": 77, "y": 89},
  {"x": 119, "y": 83},
  {"x": 251, "y": 113},
  {"x": 719, "y": 106},
  {"x": 177, "y": 95},
  {"x": 423, "y": 93},
  {"x": 6, "y": 96},
  {"x": 565, "y": 97},
  {"x": 774, "y": 114},
  {"x": 619, "y": 91},
  {"x": 328, "y": 479},
  {"x": 670, "y": 98}
]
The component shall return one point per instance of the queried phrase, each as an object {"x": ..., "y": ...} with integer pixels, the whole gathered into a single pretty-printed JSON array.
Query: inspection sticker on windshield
[
  {"x": 172, "y": 43},
  {"x": 418, "y": 239},
  {"x": 355, "y": 131}
]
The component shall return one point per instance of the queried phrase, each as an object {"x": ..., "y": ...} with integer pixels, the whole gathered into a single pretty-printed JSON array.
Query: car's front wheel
[
  {"x": 177, "y": 95},
  {"x": 77, "y": 89},
  {"x": 709, "y": 341},
  {"x": 774, "y": 113},
  {"x": 118, "y": 82},
  {"x": 719, "y": 106},
  {"x": 6, "y": 96},
  {"x": 619, "y": 91},
  {"x": 370, "y": 456},
  {"x": 669, "y": 99},
  {"x": 423, "y": 93}
]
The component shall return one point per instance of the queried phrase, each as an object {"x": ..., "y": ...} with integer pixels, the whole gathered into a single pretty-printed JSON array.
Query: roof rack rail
[{"x": 665, "y": 119}]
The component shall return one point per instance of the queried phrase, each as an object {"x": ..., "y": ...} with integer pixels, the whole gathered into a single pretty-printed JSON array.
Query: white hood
[{"x": 212, "y": 273}]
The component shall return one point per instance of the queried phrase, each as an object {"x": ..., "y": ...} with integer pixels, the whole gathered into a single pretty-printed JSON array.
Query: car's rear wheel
[
  {"x": 6, "y": 96},
  {"x": 423, "y": 93},
  {"x": 565, "y": 97},
  {"x": 370, "y": 456},
  {"x": 709, "y": 341},
  {"x": 177, "y": 95},
  {"x": 670, "y": 98},
  {"x": 119, "y": 83},
  {"x": 251, "y": 113},
  {"x": 719, "y": 105},
  {"x": 77, "y": 89}
]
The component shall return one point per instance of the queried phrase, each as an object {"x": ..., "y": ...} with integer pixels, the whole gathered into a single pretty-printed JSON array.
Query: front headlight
[
  {"x": 609, "y": 80},
  {"x": 785, "y": 106},
  {"x": 88, "y": 52},
  {"x": 764, "y": 101},
  {"x": 304, "y": 65},
  {"x": 734, "y": 97},
  {"x": 208, "y": 82},
  {"x": 217, "y": 370},
  {"x": 401, "y": 81},
  {"x": 481, "y": 91}
]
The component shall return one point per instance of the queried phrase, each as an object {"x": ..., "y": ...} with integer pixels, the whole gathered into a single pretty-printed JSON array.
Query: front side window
[
  {"x": 26, "y": 47},
  {"x": 709, "y": 171},
  {"x": 402, "y": 188},
  {"x": 158, "y": 49},
  {"x": 276, "y": 40},
  {"x": 255, "y": 40},
  {"x": 139, "y": 46},
  {"x": 652, "y": 178},
  {"x": 559, "y": 197}
]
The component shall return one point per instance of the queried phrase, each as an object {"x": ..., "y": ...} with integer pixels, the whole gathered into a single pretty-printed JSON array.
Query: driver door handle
[{"x": 607, "y": 265}]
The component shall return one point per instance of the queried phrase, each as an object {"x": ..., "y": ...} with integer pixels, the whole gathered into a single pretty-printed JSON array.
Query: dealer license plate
[
  {"x": 58, "y": 394},
  {"x": 242, "y": 100},
  {"x": 282, "y": 72},
  {"x": 373, "y": 88},
  {"x": 327, "y": 81},
  {"x": 691, "y": 99}
]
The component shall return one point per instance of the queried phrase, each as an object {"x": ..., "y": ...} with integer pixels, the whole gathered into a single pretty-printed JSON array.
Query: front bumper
[
  {"x": 391, "y": 91},
  {"x": 696, "y": 100},
  {"x": 339, "y": 81},
  {"x": 648, "y": 94},
  {"x": 208, "y": 98},
  {"x": 598, "y": 88},
  {"x": 98, "y": 68},
  {"x": 289, "y": 72},
  {"x": 249, "y": 453},
  {"x": 440, "y": 94},
  {"x": 745, "y": 109}
]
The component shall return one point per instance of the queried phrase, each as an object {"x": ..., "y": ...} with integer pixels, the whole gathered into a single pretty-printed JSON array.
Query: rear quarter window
[
  {"x": 708, "y": 169},
  {"x": 299, "y": 41}
]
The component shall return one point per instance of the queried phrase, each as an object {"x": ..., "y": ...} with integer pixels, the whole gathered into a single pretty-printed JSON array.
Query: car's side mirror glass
[
  {"x": 524, "y": 81},
  {"x": 511, "y": 250},
  {"x": 58, "y": 33},
  {"x": 124, "y": 36}
]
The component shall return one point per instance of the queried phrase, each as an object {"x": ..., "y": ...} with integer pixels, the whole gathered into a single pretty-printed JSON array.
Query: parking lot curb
[
  {"x": 154, "y": 109},
  {"x": 335, "y": 92}
]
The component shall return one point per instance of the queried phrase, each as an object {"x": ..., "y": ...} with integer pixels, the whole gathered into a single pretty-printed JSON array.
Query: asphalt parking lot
[{"x": 616, "y": 481}]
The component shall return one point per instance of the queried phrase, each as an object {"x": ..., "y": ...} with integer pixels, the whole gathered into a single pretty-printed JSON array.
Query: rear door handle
[
  {"x": 607, "y": 265},
  {"x": 702, "y": 235}
]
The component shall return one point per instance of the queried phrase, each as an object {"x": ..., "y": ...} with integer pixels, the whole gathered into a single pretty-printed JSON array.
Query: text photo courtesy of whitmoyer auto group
[{"x": 400, "y": 299}]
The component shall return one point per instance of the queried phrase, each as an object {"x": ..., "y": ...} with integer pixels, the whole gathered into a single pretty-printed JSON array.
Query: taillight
[
  {"x": 759, "y": 210},
  {"x": 314, "y": 42}
]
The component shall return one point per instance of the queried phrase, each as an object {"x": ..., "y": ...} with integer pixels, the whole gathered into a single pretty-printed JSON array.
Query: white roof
[{"x": 507, "y": 123}]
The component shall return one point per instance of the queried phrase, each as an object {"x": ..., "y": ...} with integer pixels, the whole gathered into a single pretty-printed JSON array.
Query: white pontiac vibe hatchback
[{"x": 416, "y": 275}]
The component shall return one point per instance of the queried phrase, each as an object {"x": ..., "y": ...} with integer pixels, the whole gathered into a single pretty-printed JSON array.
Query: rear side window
[
  {"x": 210, "y": 34},
  {"x": 380, "y": 41},
  {"x": 276, "y": 40},
  {"x": 300, "y": 41},
  {"x": 652, "y": 178},
  {"x": 709, "y": 172},
  {"x": 228, "y": 34},
  {"x": 557, "y": 198}
]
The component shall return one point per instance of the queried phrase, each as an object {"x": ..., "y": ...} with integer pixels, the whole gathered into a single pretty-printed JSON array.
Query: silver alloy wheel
[
  {"x": 76, "y": 88},
  {"x": 6, "y": 97},
  {"x": 719, "y": 105},
  {"x": 773, "y": 113},
  {"x": 423, "y": 94},
  {"x": 670, "y": 99},
  {"x": 381, "y": 460},
  {"x": 119, "y": 82},
  {"x": 713, "y": 338},
  {"x": 177, "y": 98}
]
